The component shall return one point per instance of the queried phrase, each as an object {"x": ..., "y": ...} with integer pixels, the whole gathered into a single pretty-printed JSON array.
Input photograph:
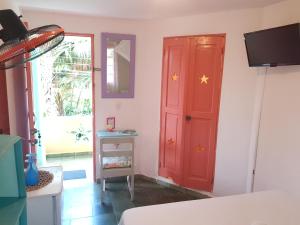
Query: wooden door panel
[
  {"x": 199, "y": 152},
  {"x": 174, "y": 76},
  {"x": 203, "y": 98},
  {"x": 171, "y": 147},
  {"x": 170, "y": 141},
  {"x": 202, "y": 88},
  {"x": 173, "y": 82}
]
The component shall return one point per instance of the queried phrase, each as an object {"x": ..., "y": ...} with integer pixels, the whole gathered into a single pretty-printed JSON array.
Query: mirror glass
[{"x": 117, "y": 65}]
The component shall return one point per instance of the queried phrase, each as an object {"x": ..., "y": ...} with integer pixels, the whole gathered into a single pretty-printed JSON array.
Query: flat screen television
[{"x": 277, "y": 46}]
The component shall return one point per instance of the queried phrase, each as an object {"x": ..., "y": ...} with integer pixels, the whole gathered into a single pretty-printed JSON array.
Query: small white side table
[
  {"x": 44, "y": 205},
  {"x": 116, "y": 138}
]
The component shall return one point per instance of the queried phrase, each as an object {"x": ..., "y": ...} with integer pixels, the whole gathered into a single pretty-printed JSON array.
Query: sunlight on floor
[{"x": 75, "y": 162}]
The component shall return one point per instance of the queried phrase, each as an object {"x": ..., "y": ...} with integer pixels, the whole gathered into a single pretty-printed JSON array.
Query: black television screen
[{"x": 274, "y": 47}]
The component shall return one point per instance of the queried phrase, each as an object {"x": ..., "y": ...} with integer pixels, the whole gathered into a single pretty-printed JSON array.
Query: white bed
[{"x": 261, "y": 208}]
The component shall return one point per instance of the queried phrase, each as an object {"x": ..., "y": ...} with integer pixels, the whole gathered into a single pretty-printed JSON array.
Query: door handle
[{"x": 188, "y": 117}]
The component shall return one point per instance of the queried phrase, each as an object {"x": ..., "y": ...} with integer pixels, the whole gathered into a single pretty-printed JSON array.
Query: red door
[
  {"x": 4, "y": 117},
  {"x": 175, "y": 53},
  {"x": 202, "y": 109}
]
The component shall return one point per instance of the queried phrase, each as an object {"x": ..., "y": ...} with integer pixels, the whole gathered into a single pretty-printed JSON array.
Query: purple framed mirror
[{"x": 117, "y": 65}]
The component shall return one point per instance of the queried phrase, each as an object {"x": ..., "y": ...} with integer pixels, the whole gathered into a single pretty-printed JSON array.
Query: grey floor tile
[{"x": 100, "y": 208}]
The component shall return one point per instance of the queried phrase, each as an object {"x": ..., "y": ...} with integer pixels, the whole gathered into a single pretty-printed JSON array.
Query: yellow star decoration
[
  {"x": 199, "y": 148},
  {"x": 174, "y": 77},
  {"x": 204, "y": 79}
]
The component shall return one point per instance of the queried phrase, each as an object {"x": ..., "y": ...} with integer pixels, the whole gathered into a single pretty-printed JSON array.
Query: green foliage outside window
[{"x": 67, "y": 79}]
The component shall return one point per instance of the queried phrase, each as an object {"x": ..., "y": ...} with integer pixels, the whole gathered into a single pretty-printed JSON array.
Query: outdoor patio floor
[{"x": 82, "y": 161}]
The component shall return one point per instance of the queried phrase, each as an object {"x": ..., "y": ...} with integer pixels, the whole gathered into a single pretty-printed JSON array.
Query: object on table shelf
[
  {"x": 110, "y": 123},
  {"x": 45, "y": 178},
  {"x": 31, "y": 174},
  {"x": 117, "y": 162},
  {"x": 130, "y": 131}
]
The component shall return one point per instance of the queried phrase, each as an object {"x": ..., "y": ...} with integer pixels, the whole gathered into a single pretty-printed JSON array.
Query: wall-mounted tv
[{"x": 277, "y": 46}]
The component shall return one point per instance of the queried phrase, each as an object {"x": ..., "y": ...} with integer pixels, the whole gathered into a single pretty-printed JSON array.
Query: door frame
[
  {"x": 92, "y": 36},
  {"x": 30, "y": 95},
  {"x": 175, "y": 175}
]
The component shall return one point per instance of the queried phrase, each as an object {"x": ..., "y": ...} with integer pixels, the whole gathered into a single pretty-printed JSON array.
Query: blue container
[{"x": 32, "y": 173}]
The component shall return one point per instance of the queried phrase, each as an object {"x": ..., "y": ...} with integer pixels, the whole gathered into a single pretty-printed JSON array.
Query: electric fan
[{"x": 21, "y": 45}]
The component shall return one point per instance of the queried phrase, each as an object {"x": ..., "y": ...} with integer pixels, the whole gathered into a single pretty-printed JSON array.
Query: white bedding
[{"x": 261, "y": 208}]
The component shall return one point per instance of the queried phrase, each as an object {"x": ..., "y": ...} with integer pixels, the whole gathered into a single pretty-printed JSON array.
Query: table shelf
[{"x": 116, "y": 153}]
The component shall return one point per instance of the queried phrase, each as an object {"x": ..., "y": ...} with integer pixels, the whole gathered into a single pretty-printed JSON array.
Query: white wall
[
  {"x": 279, "y": 143},
  {"x": 143, "y": 112},
  {"x": 278, "y": 154},
  {"x": 126, "y": 111},
  {"x": 237, "y": 97},
  {"x": 9, "y": 4}
]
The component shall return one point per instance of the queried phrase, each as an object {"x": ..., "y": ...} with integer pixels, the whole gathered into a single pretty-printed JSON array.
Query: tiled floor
[
  {"x": 81, "y": 197},
  {"x": 82, "y": 206}
]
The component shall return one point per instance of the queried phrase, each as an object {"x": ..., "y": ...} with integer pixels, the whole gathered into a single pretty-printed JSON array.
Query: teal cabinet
[{"x": 12, "y": 182}]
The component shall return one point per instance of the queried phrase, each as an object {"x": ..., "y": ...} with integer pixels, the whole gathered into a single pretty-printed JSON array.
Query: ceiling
[{"x": 141, "y": 9}]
